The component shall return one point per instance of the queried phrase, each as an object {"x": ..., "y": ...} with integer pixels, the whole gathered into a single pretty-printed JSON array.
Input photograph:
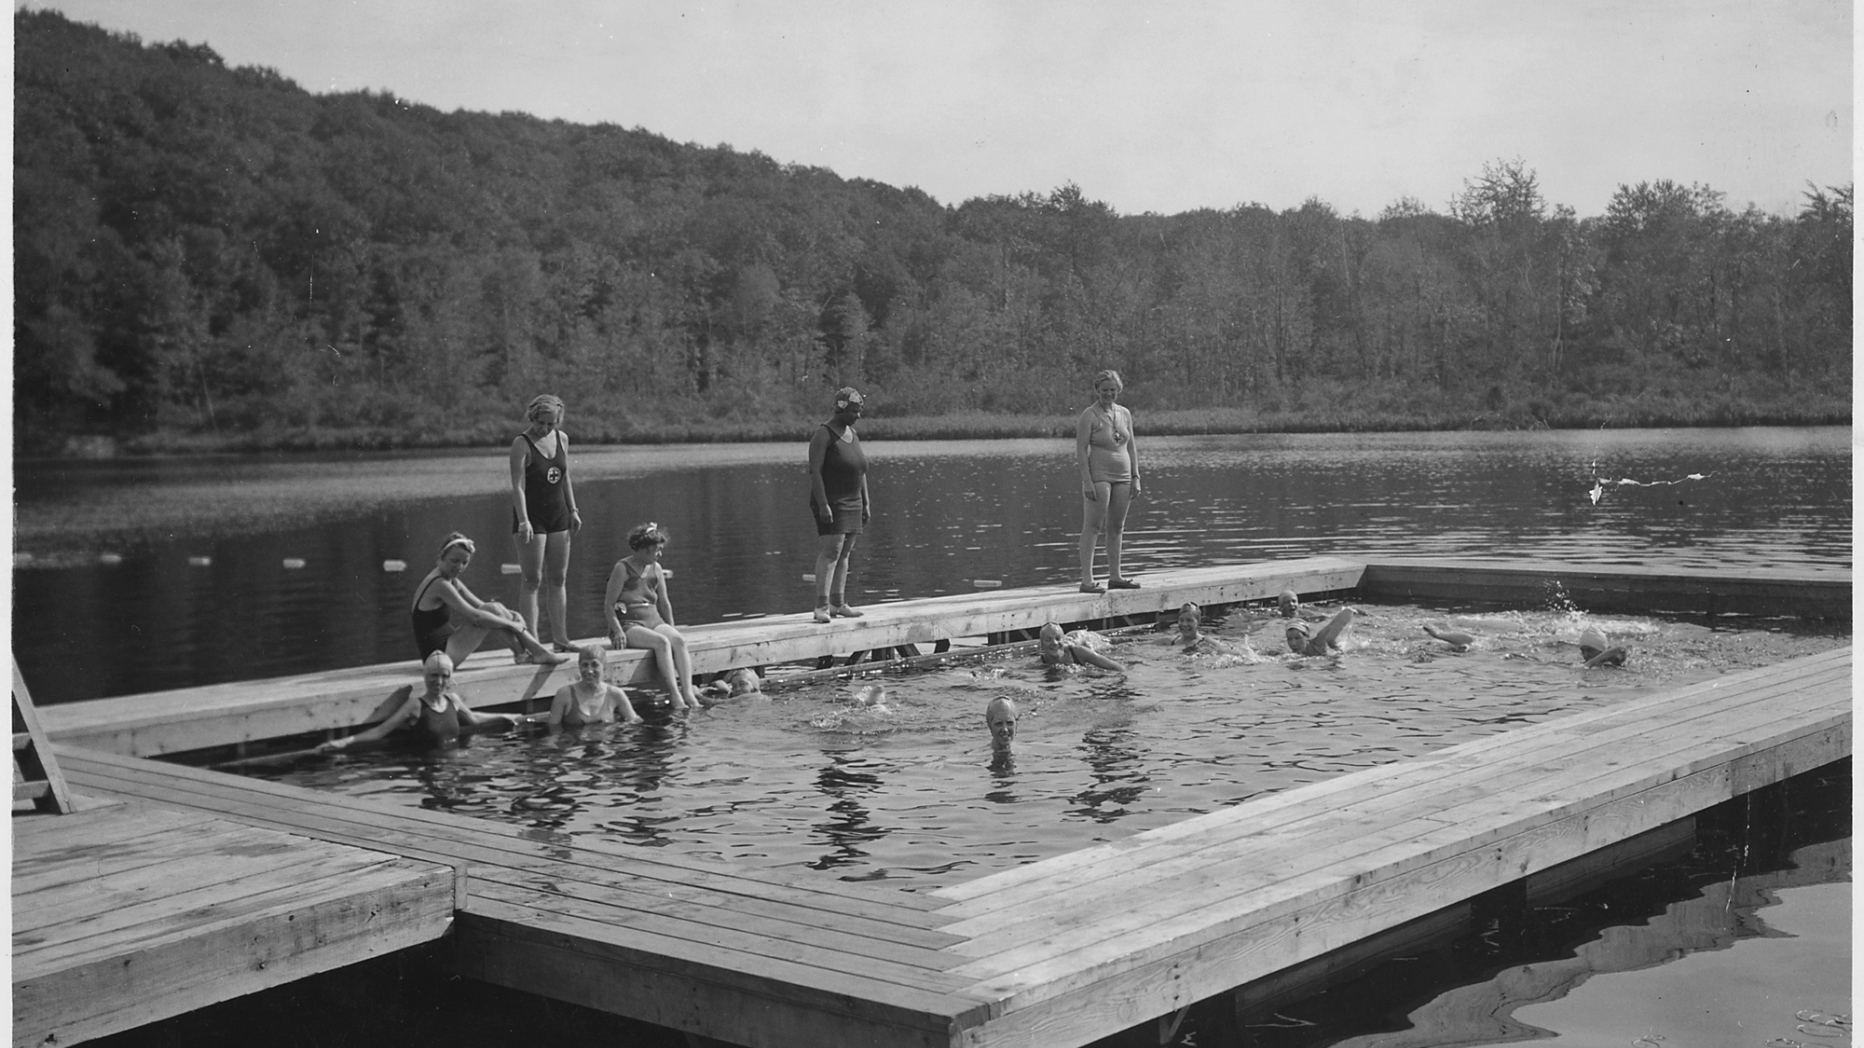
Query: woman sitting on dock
[
  {"x": 435, "y": 716},
  {"x": 640, "y": 614},
  {"x": 449, "y": 617},
  {"x": 1080, "y": 648},
  {"x": 590, "y": 700}
]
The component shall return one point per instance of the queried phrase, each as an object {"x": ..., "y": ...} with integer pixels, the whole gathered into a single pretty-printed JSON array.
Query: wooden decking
[
  {"x": 1066, "y": 950},
  {"x": 127, "y": 913},
  {"x": 231, "y": 714}
]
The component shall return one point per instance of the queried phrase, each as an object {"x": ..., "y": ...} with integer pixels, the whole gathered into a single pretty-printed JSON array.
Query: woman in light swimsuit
[
  {"x": 1057, "y": 648},
  {"x": 641, "y": 616},
  {"x": 436, "y": 716},
  {"x": 1109, "y": 460},
  {"x": 543, "y": 517},
  {"x": 449, "y": 617},
  {"x": 590, "y": 700}
]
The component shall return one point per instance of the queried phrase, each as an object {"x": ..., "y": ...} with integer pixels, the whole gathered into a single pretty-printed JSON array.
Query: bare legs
[
  {"x": 831, "y": 572},
  {"x": 545, "y": 562},
  {"x": 1105, "y": 513},
  {"x": 669, "y": 650},
  {"x": 464, "y": 640}
]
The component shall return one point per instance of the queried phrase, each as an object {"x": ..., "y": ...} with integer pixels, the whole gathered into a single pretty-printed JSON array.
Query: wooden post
[{"x": 39, "y": 779}]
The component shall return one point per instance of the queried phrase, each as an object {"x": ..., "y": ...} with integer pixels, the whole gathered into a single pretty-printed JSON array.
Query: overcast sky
[{"x": 1153, "y": 106}]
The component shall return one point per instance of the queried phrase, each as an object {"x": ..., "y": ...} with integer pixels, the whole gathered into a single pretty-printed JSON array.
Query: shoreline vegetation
[
  {"x": 1652, "y": 412},
  {"x": 211, "y": 259}
]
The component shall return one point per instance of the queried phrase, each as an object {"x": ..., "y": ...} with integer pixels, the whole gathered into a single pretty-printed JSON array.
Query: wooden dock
[
  {"x": 125, "y": 913},
  {"x": 224, "y": 715},
  {"x": 1067, "y": 950}
]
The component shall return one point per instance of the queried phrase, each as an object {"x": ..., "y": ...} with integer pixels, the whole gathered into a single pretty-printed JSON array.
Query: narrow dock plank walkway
[
  {"x": 1063, "y": 951},
  {"x": 128, "y": 913},
  {"x": 226, "y": 714}
]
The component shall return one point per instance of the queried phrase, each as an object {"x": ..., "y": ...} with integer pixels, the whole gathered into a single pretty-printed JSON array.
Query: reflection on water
[
  {"x": 948, "y": 514},
  {"x": 1734, "y": 934},
  {"x": 826, "y": 781}
]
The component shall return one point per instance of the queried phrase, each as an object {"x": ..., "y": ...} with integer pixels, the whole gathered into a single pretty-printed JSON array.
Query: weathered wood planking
[
  {"x": 1644, "y": 591},
  {"x": 1073, "y": 948},
  {"x": 128, "y": 914},
  {"x": 225, "y": 714},
  {"x": 1328, "y": 865}
]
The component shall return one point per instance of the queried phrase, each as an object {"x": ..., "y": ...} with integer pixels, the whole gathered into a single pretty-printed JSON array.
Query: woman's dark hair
[{"x": 642, "y": 536}]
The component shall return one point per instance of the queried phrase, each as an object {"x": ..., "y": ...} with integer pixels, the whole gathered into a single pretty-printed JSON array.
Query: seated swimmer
[
  {"x": 1304, "y": 639},
  {"x": 436, "y": 715},
  {"x": 591, "y": 699},
  {"x": 734, "y": 685},
  {"x": 1597, "y": 650},
  {"x": 1000, "y": 716},
  {"x": 1056, "y": 648}
]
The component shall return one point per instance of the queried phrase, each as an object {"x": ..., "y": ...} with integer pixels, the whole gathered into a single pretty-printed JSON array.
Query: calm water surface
[{"x": 948, "y": 515}]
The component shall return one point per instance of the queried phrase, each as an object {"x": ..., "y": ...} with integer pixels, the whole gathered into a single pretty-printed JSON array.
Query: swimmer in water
[
  {"x": 1000, "y": 717},
  {"x": 1456, "y": 639},
  {"x": 1289, "y": 604},
  {"x": 1598, "y": 650},
  {"x": 434, "y": 716},
  {"x": 1056, "y": 648},
  {"x": 592, "y": 699},
  {"x": 1191, "y": 638},
  {"x": 1304, "y": 639},
  {"x": 737, "y": 684}
]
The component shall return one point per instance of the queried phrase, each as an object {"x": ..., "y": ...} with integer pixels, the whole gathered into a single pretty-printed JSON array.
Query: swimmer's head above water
[
  {"x": 1051, "y": 643},
  {"x": 1000, "y": 716},
  {"x": 1288, "y": 602},
  {"x": 1190, "y": 617},
  {"x": 437, "y": 671}
]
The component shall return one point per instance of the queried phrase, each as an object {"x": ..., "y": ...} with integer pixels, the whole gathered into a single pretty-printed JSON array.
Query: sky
[{"x": 1158, "y": 106}]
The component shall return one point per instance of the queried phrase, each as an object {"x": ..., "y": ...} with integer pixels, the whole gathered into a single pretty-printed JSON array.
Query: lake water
[
  {"x": 864, "y": 794},
  {"x": 196, "y": 589}
]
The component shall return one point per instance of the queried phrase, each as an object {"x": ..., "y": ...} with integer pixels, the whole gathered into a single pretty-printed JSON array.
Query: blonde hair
[
  {"x": 541, "y": 403},
  {"x": 1109, "y": 373}
]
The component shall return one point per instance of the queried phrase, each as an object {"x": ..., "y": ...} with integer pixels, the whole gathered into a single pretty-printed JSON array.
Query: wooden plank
[
  {"x": 705, "y": 912},
  {"x": 208, "y": 789},
  {"x": 226, "y": 714},
  {"x": 1477, "y": 758},
  {"x": 35, "y": 769},
  {"x": 42, "y": 873},
  {"x": 1768, "y": 592},
  {"x": 389, "y": 909},
  {"x": 1210, "y": 951},
  {"x": 1154, "y": 872},
  {"x": 575, "y": 961}
]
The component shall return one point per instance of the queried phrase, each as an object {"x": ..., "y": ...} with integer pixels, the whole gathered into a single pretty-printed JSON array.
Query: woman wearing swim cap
[
  {"x": 450, "y": 618},
  {"x": 437, "y": 715},
  {"x": 1109, "y": 461},
  {"x": 543, "y": 516},
  {"x": 838, "y": 500}
]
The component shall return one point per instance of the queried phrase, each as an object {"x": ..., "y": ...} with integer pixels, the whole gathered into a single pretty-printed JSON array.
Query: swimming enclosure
[{"x": 951, "y": 513}]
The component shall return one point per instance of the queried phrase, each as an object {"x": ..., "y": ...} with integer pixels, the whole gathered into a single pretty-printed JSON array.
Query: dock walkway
[
  {"x": 125, "y": 913},
  {"x": 1066, "y": 950}
]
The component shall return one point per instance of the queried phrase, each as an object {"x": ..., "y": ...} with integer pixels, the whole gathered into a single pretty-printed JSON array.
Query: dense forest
[{"x": 213, "y": 257}]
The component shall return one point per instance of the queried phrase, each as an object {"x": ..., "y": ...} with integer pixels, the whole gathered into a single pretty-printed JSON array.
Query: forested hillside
[{"x": 214, "y": 255}]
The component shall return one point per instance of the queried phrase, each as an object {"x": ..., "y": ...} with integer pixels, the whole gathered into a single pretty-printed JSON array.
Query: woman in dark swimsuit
[
  {"x": 591, "y": 700},
  {"x": 838, "y": 500},
  {"x": 640, "y": 614},
  {"x": 436, "y": 716},
  {"x": 448, "y": 617},
  {"x": 543, "y": 517}
]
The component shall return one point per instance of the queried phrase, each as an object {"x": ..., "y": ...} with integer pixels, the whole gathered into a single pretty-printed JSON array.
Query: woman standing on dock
[
  {"x": 640, "y": 614},
  {"x": 449, "y": 617},
  {"x": 1109, "y": 461},
  {"x": 543, "y": 517},
  {"x": 838, "y": 500}
]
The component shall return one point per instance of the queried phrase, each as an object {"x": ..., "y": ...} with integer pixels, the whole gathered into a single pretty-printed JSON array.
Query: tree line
[{"x": 213, "y": 253}]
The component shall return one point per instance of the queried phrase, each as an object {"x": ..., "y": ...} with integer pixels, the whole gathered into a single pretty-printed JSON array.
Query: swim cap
[
  {"x": 847, "y": 395},
  {"x": 1593, "y": 638},
  {"x": 437, "y": 660}
]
